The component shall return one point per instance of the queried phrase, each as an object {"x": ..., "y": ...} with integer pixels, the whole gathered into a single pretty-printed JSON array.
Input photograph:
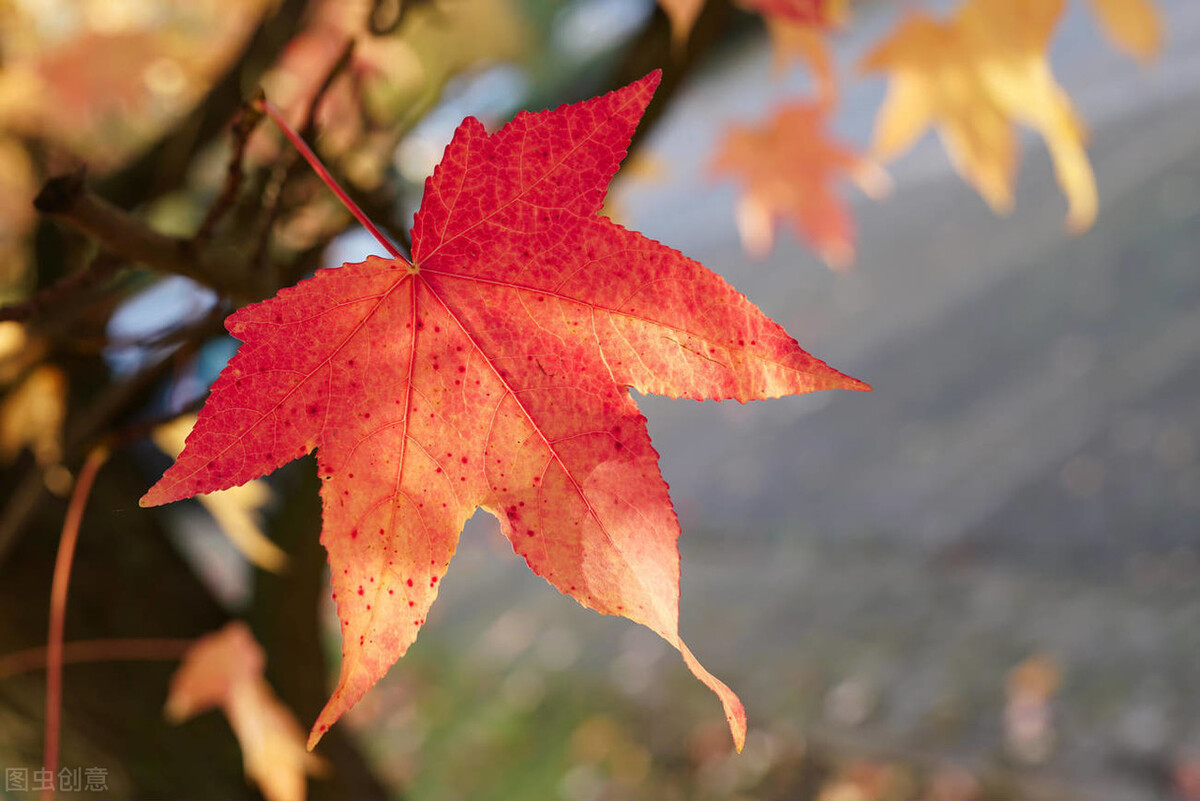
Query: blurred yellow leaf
[
  {"x": 236, "y": 509},
  {"x": 973, "y": 77},
  {"x": 225, "y": 669},
  {"x": 1133, "y": 25},
  {"x": 13, "y": 339},
  {"x": 682, "y": 15},
  {"x": 32, "y": 415},
  {"x": 18, "y": 184},
  {"x": 1028, "y": 715}
]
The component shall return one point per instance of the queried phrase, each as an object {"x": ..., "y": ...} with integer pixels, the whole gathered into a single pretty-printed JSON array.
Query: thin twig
[
  {"x": 67, "y": 199},
  {"x": 92, "y": 424},
  {"x": 247, "y": 119},
  {"x": 329, "y": 181},
  {"x": 284, "y": 172},
  {"x": 380, "y": 25},
  {"x": 384, "y": 16},
  {"x": 58, "y": 607},
  {"x": 130, "y": 649},
  {"x": 101, "y": 268},
  {"x": 309, "y": 127},
  {"x": 272, "y": 201}
]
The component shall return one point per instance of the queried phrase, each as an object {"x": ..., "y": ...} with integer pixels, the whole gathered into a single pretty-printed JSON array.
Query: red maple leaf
[{"x": 493, "y": 371}]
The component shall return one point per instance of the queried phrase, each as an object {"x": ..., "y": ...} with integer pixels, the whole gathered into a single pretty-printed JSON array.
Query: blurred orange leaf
[
  {"x": 797, "y": 29},
  {"x": 224, "y": 669},
  {"x": 972, "y": 77},
  {"x": 1133, "y": 25},
  {"x": 787, "y": 167}
]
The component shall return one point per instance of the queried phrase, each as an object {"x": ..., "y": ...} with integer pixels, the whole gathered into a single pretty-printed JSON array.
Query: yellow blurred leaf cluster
[{"x": 973, "y": 77}]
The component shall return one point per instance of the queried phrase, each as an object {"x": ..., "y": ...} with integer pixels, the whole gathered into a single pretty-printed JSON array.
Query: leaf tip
[
  {"x": 855, "y": 385},
  {"x": 156, "y": 496},
  {"x": 739, "y": 735},
  {"x": 314, "y": 736},
  {"x": 839, "y": 255}
]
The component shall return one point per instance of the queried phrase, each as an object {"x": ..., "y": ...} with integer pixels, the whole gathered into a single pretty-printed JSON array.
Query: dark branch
[
  {"x": 247, "y": 119},
  {"x": 101, "y": 268},
  {"x": 67, "y": 199}
]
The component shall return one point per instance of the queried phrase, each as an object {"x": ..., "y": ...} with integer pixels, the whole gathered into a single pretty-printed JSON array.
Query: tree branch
[
  {"x": 244, "y": 124},
  {"x": 101, "y": 268},
  {"x": 68, "y": 200}
]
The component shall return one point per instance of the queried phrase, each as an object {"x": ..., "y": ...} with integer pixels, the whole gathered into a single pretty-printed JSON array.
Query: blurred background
[{"x": 982, "y": 580}]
